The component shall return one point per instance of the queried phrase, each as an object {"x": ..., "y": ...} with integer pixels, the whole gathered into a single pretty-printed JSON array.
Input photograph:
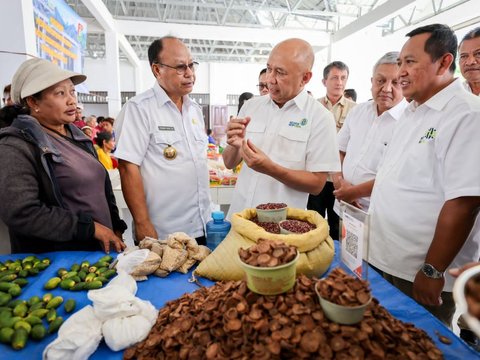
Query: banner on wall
[{"x": 61, "y": 34}]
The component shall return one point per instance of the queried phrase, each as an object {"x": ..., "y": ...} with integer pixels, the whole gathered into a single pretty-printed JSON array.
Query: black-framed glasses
[
  {"x": 262, "y": 86},
  {"x": 181, "y": 69}
]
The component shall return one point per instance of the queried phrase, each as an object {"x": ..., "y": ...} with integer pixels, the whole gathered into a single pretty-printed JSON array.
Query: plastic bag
[
  {"x": 113, "y": 301},
  {"x": 130, "y": 259},
  {"x": 78, "y": 337}
]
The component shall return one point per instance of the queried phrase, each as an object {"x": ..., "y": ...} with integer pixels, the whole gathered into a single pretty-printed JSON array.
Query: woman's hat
[{"x": 36, "y": 74}]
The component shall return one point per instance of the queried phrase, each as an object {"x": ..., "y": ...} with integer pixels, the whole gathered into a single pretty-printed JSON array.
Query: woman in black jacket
[{"x": 55, "y": 195}]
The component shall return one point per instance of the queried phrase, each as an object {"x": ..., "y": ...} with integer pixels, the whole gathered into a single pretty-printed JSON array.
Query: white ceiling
[{"x": 243, "y": 30}]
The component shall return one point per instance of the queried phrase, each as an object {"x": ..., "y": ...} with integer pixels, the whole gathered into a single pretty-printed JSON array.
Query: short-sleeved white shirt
[
  {"x": 432, "y": 157},
  {"x": 177, "y": 191},
  {"x": 364, "y": 137},
  {"x": 467, "y": 87},
  {"x": 300, "y": 136}
]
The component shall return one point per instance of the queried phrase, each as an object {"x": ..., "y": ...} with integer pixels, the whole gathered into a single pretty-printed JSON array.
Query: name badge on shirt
[{"x": 166, "y": 128}]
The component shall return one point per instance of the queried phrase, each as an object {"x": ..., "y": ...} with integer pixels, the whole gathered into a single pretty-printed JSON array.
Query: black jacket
[{"x": 31, "y": 203}]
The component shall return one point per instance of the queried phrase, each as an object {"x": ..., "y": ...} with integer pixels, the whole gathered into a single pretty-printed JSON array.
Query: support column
[{"x": 112, "y": 79}]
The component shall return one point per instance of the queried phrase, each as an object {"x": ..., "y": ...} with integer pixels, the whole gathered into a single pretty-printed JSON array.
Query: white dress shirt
[
  {"x": 432, "y": 157},
  {"x": 177, "y": 191},
  {"x": 364, "y": 138},
  {"x": 300, "y": 136}
]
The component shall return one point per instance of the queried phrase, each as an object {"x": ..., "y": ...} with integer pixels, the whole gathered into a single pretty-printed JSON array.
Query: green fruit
[
  {"x": 20, "y": 310},
  {"x": 40, "y": 266},
  {"x": 23, "y": 273},
  {"x": 51, "y": 315},
  {"x": 27, "y": 266},
  {"x": 79, "y": 286},
  {"x": 67, "y": 284},
  {"x": 46, "y": 261},
  {"x": 9, "y": 322},
  {"x": 10, "y": 277},
  {"x": 106, "y": 258},
  {"x": 47, "y": 297},
  {"x": 14, "y": 303},
  {"x": 82, "y": 274},
  {"x": 23, "y": 324},
  {"x": 33, "y": 320},
  {"x": 30, "y": 258},
  {"x": 20, "y": 282},
  {"x": 6, "y": 335},
  {"x": 69, "y": 275},
  {"x": 54, "y": 303},
  {"x": 4, "y": 298},
  {"x": 5, "y": 309},
  {"x": 37, "y": 306},
  {"x": 92, "y": 269},
  {"x": 85, "y": 265},
  {"x": 38, "y": 332},
  {"x": 40, "y": 313},
  {"x": 69, "y": 305},
  {"x": 55, "y": 324},
  {"x": 76, "y": 279},
  {"x": 101, "y": 270},
  {"x": 90, "y": 277},
  {"x": 102, "y": 279},
  {"x": 19, "y": 338},
  {"x": 33, "y": 271},
  {"x": 33, "y": 300},
  {"x": 75, "y": 267},
  {"x": 95, "y": 284},
  {"x": 52, "y": 283},
  {"x": 5, "y": 286},
  {"x": 61, "y": 272},
  {"x": 109, "y": 273},
  {"x": 101, "y": 264},
  {"x": 15, "y": 290}
]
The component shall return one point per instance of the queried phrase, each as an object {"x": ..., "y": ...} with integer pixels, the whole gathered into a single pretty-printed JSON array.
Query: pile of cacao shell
[
  {"x": 268, "y": 253},
  {"x": 227, "y": 321}
]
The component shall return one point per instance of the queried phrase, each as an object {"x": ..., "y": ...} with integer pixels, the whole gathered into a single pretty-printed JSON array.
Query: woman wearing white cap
[{"x": 46, "y": 163}]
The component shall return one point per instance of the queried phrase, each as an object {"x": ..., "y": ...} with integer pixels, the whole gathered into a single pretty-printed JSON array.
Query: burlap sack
[{"x": 316, "y": 247}]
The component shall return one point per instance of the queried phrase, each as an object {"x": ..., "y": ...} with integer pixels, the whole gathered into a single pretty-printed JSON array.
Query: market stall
[{"x": 160, "y": 290}]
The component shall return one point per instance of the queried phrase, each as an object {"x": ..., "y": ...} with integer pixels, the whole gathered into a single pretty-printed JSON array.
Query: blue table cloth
[{"x": 160, "y": 290}]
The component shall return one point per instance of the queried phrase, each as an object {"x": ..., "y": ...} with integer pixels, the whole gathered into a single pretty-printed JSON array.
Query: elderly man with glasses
[{"x": 161, "y": 147}]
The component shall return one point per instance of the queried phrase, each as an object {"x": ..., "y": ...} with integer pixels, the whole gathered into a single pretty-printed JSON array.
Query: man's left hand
[
  {"x": 427, "y": 291},
  {"x": 255, "y": 158},
  {"x": 344, "y": 191}
]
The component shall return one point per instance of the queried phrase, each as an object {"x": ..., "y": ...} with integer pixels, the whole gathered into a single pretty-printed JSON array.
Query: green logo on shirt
[
  {"x": 430, "y": 134},
  {"x": 298, "y": 124}
]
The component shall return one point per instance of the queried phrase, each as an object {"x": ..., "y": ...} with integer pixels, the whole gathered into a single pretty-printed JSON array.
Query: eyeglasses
[
  {"x": 262, "y": 86},
  {"x": 465, "y": 56},
  {"x": 181, "y": 69}
]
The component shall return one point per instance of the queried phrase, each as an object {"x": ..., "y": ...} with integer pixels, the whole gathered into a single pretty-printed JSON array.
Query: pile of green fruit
[
  {"x": 22, "y": 319},
  {"x": 13, "y": 274},
  {"x": 83, "y": 276}
]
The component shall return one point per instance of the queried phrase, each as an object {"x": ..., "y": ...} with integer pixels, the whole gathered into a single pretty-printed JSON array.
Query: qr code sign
[{"x": 351, "y": 244}]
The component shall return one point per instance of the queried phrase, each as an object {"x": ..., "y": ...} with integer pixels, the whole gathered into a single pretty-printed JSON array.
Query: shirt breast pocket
[
  {"x": 164, "y": 139},
  {"x": 291, "y": 145},
  {"x": 419, "y": 168}
]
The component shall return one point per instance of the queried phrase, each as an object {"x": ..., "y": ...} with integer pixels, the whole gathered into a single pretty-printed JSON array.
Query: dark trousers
[
  {"x": 201, "y": 240},
  {"x": 323, "y": 204}
]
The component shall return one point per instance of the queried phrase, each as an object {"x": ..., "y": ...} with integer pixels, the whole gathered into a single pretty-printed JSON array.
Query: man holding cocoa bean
[
  {"x": 286, "y": 139},
  {"x": 161, "y": 145},
  {"x": 425, "y": 201}
]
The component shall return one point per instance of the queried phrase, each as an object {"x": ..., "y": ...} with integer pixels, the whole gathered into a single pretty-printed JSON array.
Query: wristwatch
[{"x": 429, "y": 271}]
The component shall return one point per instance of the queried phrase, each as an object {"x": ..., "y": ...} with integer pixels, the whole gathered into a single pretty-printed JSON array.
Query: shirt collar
[
  {"x": 300, "y": 100},
  {"x": 440, "y": 99},
  {"x": 340, "y": 102},
  {"x": 163, "y": 98},
  {"x": 397, "y": 111}
]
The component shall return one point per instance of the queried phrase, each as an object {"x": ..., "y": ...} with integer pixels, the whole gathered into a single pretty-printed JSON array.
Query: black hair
[
  {"x": 104, "y": 136},
  {"x": 156, "y": 48},
  {"x": 335, "y": 64},
  {"x": 10, "y": 112},
  {"x": 442, "y": 41},
  {"x": 351, "y": 93},
  {"x": 7, "y": 88},
  {"x": 472, "y": 34},
  {"x": 242, "y": 98},
  {"x": 100, "y": 119},
  {"x": 263, "y": 71},
  {"x": 209, "y": 132}
]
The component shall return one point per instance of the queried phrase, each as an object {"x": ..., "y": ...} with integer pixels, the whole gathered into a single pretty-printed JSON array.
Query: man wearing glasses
[
  {"x": 262, "y": 82},
  {"x": 469, "y": 51},
  {"x": 161, "y": 147}
]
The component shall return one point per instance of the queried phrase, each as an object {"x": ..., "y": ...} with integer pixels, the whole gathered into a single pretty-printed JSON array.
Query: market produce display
[
  {"x": 13, "y": 274},
  {"x": 296, "y": 226},
  {"x": 83, "y": 276},
  {"x": 23, "y": 319},
  {"x": 227, "y": 321}
]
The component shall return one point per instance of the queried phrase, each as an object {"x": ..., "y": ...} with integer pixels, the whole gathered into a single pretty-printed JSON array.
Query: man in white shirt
[
  {"x": 287, "y": 139},
  {"x": 367, "y": 130},
  {"x": 161, "y": 147},
  {"x": 262, "y": 82},
  {"x": 426, "y": 197},
  {"x": 469, "y": 60}
]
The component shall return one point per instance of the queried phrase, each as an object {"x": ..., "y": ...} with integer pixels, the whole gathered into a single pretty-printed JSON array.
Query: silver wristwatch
[{"x": 429, "y": 271}]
